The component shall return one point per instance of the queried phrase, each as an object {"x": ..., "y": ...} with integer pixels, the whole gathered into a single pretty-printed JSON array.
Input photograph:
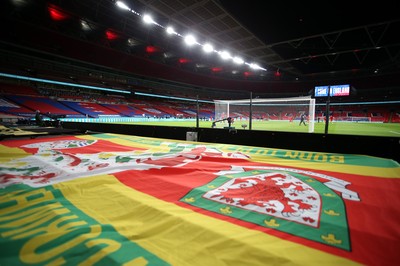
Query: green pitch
[{"x": 346, "y": 128}]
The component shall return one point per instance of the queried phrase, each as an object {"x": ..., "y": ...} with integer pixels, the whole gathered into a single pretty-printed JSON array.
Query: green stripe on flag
[{"x": 38, "y": 226}]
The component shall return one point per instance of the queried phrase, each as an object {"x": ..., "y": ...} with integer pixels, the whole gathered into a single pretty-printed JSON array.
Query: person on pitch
[
  {"x": 229, "y": 119},
  {"x": 303, "y": 119}
]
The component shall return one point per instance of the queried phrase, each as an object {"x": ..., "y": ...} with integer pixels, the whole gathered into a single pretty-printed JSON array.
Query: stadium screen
[{"x": 334, "y": 90}]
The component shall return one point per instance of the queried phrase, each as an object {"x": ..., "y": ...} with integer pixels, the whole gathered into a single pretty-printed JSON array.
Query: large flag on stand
[{"x": 110, "y": 199}]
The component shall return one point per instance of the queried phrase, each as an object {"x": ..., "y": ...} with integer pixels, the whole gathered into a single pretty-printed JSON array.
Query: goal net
[{"x": 256, "y": 111}]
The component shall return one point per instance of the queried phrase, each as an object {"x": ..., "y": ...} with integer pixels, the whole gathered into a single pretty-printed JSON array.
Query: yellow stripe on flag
[
  {"x": 376, "y": 172},
  {"x": 333, "y": 162},
  {"x": 7, "y": 153},
  {"x": 181, "y": 236}
]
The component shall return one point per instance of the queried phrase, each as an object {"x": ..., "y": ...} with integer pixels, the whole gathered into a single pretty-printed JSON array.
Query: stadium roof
[
  {"x": 292, "y": 41},
  {"x": 298, "y": 39}
]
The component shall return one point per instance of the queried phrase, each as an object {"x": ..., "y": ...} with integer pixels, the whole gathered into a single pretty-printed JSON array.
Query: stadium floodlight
[
  {"x": 208, "y": 48},
  {"x": 148, "y": 19},
  {"x": 122, "y": 5},
  {"x": 85, "y": 25},
  {"x": 190, "y": 40},
  {"x": 254, "y": 66},
  {"x": 225, "y": 55},
  {"x": 238, "y": 60},
  {"x": 170, "y": 30}
]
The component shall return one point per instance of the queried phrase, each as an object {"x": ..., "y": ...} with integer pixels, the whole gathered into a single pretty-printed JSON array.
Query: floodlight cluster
[{"x": 190, "y": 39}]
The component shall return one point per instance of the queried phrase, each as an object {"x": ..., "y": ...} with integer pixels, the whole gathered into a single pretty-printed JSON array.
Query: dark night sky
[{"x": 280, "y": 20}]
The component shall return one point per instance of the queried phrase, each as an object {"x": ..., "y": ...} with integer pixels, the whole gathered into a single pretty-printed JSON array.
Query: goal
[{"x": 268, "y": 109}]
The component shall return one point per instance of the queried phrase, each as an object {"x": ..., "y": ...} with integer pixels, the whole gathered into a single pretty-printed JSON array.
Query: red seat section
[{"x": 43, "y": 104}]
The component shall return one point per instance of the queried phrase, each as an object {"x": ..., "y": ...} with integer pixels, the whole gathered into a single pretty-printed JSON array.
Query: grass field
[{"x": 346, "y": 128}]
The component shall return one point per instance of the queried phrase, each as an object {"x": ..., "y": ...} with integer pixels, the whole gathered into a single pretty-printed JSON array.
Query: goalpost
[{"x": 267, "y": 109}]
